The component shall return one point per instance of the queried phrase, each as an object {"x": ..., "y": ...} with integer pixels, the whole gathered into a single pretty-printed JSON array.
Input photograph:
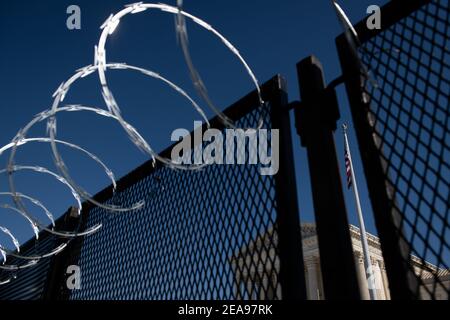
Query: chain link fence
[
  {"x": 29, "y": 283},
  {"x": 228, "y": 232},
  {"x": 202, "y": 235},
  {"x": 403, "y": 113}
]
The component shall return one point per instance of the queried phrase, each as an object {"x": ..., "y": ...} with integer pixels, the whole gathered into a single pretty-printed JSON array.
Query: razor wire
[{"x": 113, "y": 112}]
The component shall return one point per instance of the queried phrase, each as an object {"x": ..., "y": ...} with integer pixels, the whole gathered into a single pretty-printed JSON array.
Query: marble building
[{"x": 259, "y": 280}]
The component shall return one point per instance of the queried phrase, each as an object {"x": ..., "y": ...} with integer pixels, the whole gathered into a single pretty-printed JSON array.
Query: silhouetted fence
[
  {"x": 227, "y": 232},
  {"x": 402, "y": 122}
]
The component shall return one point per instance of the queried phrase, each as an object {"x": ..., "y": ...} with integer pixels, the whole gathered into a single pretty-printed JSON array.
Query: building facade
[{"x": 259, "y": 282}]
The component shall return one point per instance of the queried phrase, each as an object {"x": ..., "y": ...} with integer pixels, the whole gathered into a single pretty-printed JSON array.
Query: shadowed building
[{"x": 255, "y": 280}]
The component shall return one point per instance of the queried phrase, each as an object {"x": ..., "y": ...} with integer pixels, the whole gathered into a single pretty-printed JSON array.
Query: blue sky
[{"x": 38, "y": 52}]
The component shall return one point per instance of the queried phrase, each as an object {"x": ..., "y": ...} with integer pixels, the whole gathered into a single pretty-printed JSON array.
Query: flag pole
[{"x": 365, "y": 246}]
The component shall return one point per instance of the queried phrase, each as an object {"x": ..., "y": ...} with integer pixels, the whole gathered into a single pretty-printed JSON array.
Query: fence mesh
[
  {"x": 409, "y": 110},
  {"x": 209, "y": 234},
  {"x": 29, "y": 283}
]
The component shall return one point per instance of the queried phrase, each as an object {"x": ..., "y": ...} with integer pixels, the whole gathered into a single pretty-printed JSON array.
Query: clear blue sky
[{"x": 38, "y": 52}]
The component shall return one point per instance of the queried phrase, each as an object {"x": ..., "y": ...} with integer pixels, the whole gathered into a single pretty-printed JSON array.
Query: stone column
[
  {"x": 387, "y": 293},
  {"x": 311, "y": 269},
  {"x": 362, "y": 278},
  {"x": 237, "y": 284},
  {"x": 319, "y": 276},
  {"x": 378, "y": 281},
  {"x": 250, "y": 288}
]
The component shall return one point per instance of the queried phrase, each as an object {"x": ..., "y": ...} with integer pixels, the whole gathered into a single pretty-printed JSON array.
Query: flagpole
[{"x": 365, "y": 246}]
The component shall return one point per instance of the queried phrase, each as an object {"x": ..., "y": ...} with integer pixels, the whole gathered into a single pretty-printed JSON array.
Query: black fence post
[
  {"x": 316, "y": 119},
  {"x": 292, "y": 275}
]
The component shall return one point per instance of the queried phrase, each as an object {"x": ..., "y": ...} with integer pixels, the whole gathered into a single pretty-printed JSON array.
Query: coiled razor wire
[{"x": 112, "y": 112}]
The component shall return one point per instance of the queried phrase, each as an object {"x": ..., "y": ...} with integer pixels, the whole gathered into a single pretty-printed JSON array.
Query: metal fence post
[
  {"x": 288, "y": 222},
  {"x": 316, "y": 120}
]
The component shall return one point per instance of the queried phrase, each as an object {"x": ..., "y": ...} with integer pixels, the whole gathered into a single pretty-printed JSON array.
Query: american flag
[{"x": 348, "y": 169}]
